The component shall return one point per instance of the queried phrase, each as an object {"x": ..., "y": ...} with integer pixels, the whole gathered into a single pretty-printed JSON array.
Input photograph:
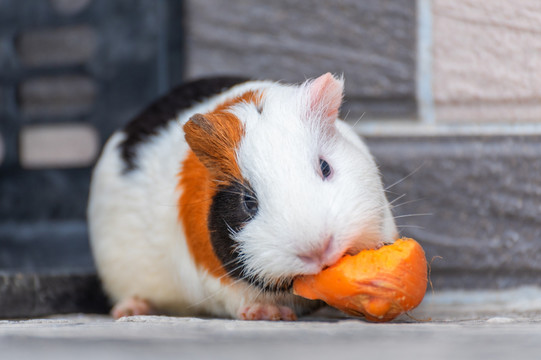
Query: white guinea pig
[{"x": 218, "y": 195}]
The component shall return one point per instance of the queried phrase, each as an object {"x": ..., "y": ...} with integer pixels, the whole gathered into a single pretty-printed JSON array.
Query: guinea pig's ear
[
  {"x": 214, "y": 139},
  {"x": 325, "y": 97}
]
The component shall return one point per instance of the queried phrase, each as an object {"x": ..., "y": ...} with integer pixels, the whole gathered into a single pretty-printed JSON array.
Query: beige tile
[
  {"x": 486, "y": 112},
  {"x": 487, "y": 60},
  {"x": 59, "y": 145}
]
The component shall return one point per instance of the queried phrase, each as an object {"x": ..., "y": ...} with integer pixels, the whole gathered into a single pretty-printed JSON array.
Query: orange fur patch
[
  {"x": 249, "y": 97},
  {"x": 214, "y": 139},
  {"x": 194, "y": 206}
]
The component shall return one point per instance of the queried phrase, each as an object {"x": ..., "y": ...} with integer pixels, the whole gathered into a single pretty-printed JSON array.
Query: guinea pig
[{"x": 213, "y": 199}]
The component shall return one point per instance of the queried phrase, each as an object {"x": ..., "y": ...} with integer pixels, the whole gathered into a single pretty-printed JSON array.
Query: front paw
[
  {"x": 132, "y": 306},
  {"x": 266, "y": 312}
]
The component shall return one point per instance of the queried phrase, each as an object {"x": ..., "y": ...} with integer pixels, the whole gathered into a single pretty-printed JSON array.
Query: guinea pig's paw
[
  {"x": 132, "y": 306},
  {"x": 266, "y": 312}
]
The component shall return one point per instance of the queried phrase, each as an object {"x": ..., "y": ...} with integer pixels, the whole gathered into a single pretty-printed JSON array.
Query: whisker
[
  {"x": 346, "y": 117},
  {"x": 207, "y": 298},
  {"x": 226, "y": 286},
  {"x": 411, "y": 215},
  {"x": 396, "y": 199},
  {"x": 411, "y": 226},
  {"x": 224, "y": 265},
  {"x": 390, "y": 192},
  {"x": 405, "y": 177},
  {"x": 407, "y": 202},
  {"x": 359, "y": 119},
  {"x": 232, "y": 231},
  {"x": 230, "y": 272}
]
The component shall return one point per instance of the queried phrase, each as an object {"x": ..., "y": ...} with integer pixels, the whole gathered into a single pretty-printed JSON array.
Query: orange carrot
[{"x": 377, "y": 284}]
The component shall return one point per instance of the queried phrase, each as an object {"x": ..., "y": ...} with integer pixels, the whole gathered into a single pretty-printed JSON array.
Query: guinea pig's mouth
[
  {"x": 285, "y": 285},
  {"x": 352, "y": 251}
]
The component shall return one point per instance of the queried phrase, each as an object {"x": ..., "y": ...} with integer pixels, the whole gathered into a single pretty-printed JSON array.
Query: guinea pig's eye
[
  {"x": 250, "y": 203},
  {"x": 325, "y": 168}
]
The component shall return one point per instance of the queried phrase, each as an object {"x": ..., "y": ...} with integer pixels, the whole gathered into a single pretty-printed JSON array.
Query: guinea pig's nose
[{"x": 321, "y": 256}]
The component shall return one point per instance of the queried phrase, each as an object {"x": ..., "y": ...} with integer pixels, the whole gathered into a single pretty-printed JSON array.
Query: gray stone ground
[{"x": 448, "y": 325}]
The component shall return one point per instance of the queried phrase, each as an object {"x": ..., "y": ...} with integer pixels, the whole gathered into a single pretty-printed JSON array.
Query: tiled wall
[
  {"x": 49, "y": 97},
  {"x": 71, "y": 72}
]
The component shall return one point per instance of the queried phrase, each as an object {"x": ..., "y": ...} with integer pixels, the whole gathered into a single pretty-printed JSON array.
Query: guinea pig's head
[{"x": 295, "y": 189}]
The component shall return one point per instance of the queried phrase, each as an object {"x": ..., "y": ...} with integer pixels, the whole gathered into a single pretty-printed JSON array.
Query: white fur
[
  {"x": 298, "y": 210},
  {"x": 138, "y": 242}
]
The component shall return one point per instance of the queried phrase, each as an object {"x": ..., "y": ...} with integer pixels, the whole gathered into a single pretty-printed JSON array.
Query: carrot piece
[{"x": 377, "y": 284}]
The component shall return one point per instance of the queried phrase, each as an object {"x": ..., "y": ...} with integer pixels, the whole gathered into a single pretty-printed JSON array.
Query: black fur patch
[
  {"x": 165, "y": 109},
  {"x": 229, "y": 214}
]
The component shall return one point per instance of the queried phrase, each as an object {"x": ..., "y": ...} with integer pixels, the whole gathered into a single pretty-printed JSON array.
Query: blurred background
[{"x": 446, "y": 92}]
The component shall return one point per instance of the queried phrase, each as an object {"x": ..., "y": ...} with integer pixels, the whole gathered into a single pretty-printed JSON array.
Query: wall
[
  {"x": 449, "y": 93},
  {"x": 371, "y": 42},
  {"x": 71, "y": 72},
  {"x": 451, "y": 96},
  {"x": 487, "y": 61}
]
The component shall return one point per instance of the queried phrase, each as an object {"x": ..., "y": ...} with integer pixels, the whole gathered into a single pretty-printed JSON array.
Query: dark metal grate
[{"x": 84, "y": 64}]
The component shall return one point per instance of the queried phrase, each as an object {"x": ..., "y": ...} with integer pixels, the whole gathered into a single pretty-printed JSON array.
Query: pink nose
[{"x": 321, "y": 256}]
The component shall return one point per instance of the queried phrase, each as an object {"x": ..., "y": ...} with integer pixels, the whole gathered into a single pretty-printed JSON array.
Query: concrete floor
[{"x": 448, "y": 325}]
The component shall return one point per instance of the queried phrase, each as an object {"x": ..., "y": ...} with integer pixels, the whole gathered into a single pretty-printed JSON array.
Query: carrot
[{"x": 377, "y": 284}]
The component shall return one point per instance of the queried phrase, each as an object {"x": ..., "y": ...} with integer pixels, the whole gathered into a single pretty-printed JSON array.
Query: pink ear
[{"x": 325, "y": 96}]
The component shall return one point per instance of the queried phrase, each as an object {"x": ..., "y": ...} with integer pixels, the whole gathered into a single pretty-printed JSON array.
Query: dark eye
[
  {"x": 326, "y": 170},
  {"x": 250, "y": 203}
]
